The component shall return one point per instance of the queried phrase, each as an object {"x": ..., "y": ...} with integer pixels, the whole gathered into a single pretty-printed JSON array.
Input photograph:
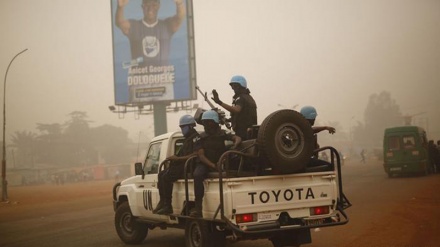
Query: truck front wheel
[{"x": 129, "y": 230}]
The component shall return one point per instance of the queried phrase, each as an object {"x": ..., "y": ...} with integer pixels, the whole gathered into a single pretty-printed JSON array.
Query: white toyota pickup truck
[{"x": 266, "y": 190}]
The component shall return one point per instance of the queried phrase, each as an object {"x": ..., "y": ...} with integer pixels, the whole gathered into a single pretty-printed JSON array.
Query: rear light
[
  {"x": 389, "y": 154},
  {"x": 319, "y": 210},
  {"x": 245, "y": 218},
  {"x": 415, "y": 152}
]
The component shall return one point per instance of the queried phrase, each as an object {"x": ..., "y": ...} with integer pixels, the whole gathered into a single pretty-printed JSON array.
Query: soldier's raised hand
[{"x": 215, "y": 97}]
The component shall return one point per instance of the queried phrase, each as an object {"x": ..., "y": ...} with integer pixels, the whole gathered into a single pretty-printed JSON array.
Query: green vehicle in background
[{"x": 405, "y": 151}]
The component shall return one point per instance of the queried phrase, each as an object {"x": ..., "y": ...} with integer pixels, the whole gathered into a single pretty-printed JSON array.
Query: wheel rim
[
  {"x": 126, "y": 223},
  {"x": 195, "y": 235},
  {"x": 289, "y": 140}
]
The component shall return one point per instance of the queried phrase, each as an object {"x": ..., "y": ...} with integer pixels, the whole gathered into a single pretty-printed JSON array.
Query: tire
[
  {"x": 218, "y": 237},
  {"x": 277, "y": 242},
  {"x": 291, "y": 238},
  {"x": 129, "y": 230},
  {"x": 196, "y": 232},
  {"x": 286, "y": 139},
  {"x": 200, "y": 233}
]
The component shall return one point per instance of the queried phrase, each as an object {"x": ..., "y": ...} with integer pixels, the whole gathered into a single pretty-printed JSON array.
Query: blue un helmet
[
  {"x": 309, "y": 112},
  {"x": 187, "y": 120},
  {"x": 239, "y": 79},
  {"x": 210, "y": 115}
]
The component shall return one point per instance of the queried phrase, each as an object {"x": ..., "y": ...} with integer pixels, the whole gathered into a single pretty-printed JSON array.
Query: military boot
[
  {"x": 166, "y": 209},
  {"x": 196, "y": 212},
  {"x": 159, "y": 206}
]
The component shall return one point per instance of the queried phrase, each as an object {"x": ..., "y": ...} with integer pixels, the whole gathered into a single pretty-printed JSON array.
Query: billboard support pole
[{"x": 160, "y": 118}]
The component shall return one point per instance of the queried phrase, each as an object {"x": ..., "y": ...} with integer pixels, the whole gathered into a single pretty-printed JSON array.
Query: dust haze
[{"x": 329, "y": 54}]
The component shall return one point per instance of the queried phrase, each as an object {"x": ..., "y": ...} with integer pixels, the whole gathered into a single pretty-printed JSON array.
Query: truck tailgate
[{"x": 294, "y": 194}]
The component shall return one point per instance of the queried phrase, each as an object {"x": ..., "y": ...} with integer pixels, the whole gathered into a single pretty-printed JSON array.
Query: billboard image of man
[
  {"x": 151, "y": 54},
  {"x": 150, "y": 37}
]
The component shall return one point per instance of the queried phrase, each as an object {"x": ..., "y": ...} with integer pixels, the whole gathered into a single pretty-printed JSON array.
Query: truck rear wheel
[
  {"x": 286, "y": 138},
  {"x": 278, "y": 243},
  {"x": 196, "y": 232},
  {"x": 129, "y": 230},
  {"x": 200, "y": 233},
  {"x": 291, "y": 238}
]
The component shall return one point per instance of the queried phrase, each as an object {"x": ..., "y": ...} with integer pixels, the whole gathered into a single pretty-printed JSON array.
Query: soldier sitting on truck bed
[
  {"x": 168, "y": 176},
  {"x": 213, "y": 146},
  {"x": 309, "y": 112}
]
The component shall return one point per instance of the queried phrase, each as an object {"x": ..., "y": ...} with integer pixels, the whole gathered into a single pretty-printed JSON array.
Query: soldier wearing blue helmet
[
  {"x": 212, "y": 147},
  {"x": 168, "y": 176},
  {"x": 309, "y": 113},
  {"x": 243, "y": 109}
]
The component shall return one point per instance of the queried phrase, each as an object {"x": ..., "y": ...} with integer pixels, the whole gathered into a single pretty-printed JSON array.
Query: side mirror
[{"x": 138, "y": 169}]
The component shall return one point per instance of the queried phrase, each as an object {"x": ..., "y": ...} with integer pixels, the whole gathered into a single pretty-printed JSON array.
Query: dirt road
[{"x": 403, "y": 211}]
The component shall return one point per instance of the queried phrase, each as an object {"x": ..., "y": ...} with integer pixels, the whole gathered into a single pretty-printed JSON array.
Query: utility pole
[{"x": 4, "y": 181}]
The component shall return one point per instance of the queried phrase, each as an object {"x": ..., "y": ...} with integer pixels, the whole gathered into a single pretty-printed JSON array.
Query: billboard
[{"x": 153, "y": 51}]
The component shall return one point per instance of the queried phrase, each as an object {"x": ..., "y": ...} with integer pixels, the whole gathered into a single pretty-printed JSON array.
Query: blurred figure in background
[{"x": 363, "y": 156}]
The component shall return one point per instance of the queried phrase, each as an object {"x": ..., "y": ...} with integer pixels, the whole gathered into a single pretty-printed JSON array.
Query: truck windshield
[{"x": 152, "y": 160}]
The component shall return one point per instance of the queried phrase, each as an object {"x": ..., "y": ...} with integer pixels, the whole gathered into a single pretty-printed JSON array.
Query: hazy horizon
[{"x": 329, "y": 54}]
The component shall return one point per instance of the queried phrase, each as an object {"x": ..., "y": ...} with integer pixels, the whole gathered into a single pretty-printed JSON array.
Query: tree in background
[
  {"x": 50, "y": 140},
  {"x": 24, "y": 143},
  {"x": 381, "y": 112},
  {"x": 73, "y": 143},
  {"x": 77, "y": 137},
  {"x": 111, "y": 143}
]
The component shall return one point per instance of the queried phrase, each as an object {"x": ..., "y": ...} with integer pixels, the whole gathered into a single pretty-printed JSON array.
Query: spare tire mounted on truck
[{"x": 286, "y": 139}]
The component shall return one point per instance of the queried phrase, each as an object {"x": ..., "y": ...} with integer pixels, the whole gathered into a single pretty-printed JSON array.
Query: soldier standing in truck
[{"x": 243, "y": 109}]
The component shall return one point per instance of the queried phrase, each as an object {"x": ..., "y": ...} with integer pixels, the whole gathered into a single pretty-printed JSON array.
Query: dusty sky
[{"x": 331, "y": 54}]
